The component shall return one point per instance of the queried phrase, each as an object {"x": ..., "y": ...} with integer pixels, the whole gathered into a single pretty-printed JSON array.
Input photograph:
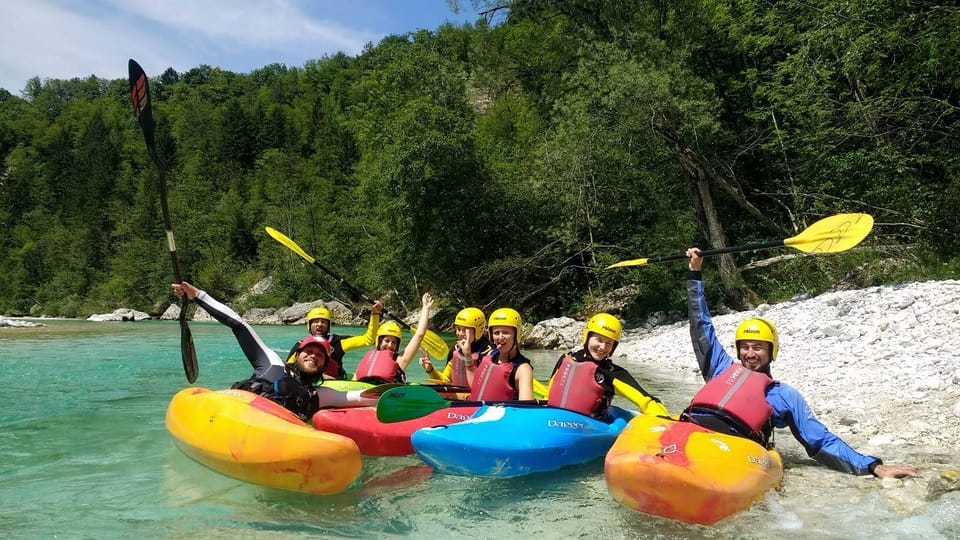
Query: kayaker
[
  {"x": 736, "y": 386},
  {"x": 582, "y": 380},
  {"x": 503, "y": 373},
  {"x": 472, "y": 344},
  {"x": 318, "y": 324},
  {"x": 291, "y": 384},
  {"x": 382, "y": 364}
]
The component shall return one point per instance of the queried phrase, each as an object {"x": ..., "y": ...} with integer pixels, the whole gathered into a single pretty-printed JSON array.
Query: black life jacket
[{"x": 287, "y": 391}]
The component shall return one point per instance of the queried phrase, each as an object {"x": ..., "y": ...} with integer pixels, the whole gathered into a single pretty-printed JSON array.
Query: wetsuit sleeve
[
  {"x": 443, "y": 374},
  {"x": 260, "y": 356},
  {"x": 711, "y": 356},
  {"x": 790, "y": 409},
  {"x": 366, "y": 339},
  {"x": 328, "y": 397}
]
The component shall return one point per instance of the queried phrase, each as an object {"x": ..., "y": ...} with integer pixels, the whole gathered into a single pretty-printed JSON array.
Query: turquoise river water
[{"x": 84, "y": 454}]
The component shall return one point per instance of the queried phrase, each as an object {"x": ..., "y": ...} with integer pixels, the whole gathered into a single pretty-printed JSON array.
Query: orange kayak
[
  {"x": 682, "y": 471},
  {"x": 248, "y": 437}
]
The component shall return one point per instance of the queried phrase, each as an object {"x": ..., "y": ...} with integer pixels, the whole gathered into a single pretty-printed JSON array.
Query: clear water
[{"x": 84, "y": 454}]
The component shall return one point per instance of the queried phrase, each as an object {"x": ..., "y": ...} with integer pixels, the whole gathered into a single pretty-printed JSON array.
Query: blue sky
[{"x": 62, "y": 39}]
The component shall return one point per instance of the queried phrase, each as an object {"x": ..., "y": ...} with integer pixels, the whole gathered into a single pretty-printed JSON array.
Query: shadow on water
[{"x": 85, "y": 454}]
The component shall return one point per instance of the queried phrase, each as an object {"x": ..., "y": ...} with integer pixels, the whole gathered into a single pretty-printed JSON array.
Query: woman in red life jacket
[
  {"x": 504, "y": 373},
  {"x": 743, "y": 399},
  {"x": 472, "y": 344},
  {"x": 382, "y": 364},
  {"x": 582, "y": 380}
]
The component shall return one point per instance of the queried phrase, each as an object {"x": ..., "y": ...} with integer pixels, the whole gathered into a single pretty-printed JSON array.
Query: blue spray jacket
[{"x": 789, "y": 407}]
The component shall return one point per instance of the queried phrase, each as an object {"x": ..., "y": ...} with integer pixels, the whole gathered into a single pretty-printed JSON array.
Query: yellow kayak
[
  {"x": 682, "y": 471},
  {"x": 248, "y": 437}
]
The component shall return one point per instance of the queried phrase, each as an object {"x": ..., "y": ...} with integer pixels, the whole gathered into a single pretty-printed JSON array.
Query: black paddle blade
[
  {"x": 188, "y": 353},
  {"x": 140, "y": 92}
]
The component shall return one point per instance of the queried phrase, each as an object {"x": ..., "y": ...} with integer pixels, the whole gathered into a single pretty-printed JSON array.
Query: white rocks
[
  {"x": 122, "y": 314},
  {"x": 18, "y": 323},
  {"x": 172, "y": 313}
]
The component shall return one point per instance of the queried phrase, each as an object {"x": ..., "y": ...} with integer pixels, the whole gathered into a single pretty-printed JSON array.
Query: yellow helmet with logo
[
  {"x": 317, "y": 313},
  {"x": 472, "y": 317},
  {"x": 758, "y": 329},
  {"x": 507, "y": 317},
  {"x": 389, "y": 328},
  {"x": 605, "y": 325}
]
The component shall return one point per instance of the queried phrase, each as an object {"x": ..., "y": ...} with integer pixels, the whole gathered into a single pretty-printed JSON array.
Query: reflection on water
[{"x": 85, "y": 454}]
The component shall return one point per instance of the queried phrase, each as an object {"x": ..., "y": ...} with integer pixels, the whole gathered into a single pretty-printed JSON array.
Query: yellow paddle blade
[
  {"x": 832, "y": 234},
  {"x": 646, "y": 403},
  {"x": 632, "y": 262},
  {"x": 434, "y": 344},
  {"x": 283, "y": 239}
]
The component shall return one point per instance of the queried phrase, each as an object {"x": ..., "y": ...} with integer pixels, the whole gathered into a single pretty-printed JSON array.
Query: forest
[{"x": 505, "y": 162}]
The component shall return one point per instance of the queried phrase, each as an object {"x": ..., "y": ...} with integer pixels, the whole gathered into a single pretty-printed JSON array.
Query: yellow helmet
[
  {"x": 507, "y": 317},
  {"x": 605, "y": 325},
  {"x": 759, "y": 330},
  {"x": 471, "y": 317},
  {"x": 389, "y": 328},
  {"x": 317, "y": 313}
]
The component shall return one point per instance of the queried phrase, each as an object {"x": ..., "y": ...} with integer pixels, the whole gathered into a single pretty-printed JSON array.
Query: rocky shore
[{"x": 879, "y": 366}]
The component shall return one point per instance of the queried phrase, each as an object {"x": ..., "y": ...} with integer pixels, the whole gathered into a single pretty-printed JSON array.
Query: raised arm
[
  {"x": 710, "y": 354},
  {"x": 258, "y": 354},
  {"x": 369, "y": 337},
  {"x": 411, "y": 349}
]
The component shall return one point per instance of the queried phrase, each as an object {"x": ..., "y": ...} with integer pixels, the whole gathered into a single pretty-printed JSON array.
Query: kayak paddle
[
  {"x": 829, "y": 235},
  {"x": 647, "y": 404},
  {"x": 140, "y": 91},
  {"x": 399, "y": 404},
  {"x": 379, "y": 390},
  {"x": 433, "y": 343}
]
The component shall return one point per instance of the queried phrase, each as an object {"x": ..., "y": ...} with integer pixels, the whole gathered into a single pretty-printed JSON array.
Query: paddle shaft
[
  {"x": 357, "y": 293},
  {"x": 140, "y": 93},
  {"x": 718, "y": 251}
]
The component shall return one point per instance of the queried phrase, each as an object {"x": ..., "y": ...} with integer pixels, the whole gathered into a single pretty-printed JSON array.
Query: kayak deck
[
  {"x": 248, "y": 437},
  {"x": 682, "y": 471},
  {"x": 376, "y": 438},
  {"x": 511, "y": 441}
]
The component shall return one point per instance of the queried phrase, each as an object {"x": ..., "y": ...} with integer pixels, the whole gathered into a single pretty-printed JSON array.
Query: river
[{"x": 85, "y": 454}]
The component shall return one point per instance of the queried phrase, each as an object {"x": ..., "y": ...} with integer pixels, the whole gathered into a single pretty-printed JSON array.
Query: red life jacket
[
  {"x": 575, "y": 387},
  {"x": 458, "y": 367},
  {"x": 492, "y": 381},
  {"x": 378, "y": 365},
  {"x": 332, "y": 368},
  {"x": 739, "y": 393}
]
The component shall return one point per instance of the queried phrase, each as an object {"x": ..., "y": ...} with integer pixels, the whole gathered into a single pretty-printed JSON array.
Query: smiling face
[
  {"x": 505, "y": 340},
  {"x": 311, "y": 359},
  {"x": 388, "y": 343},
  {"x": 753, "y": 354},
  {"x": 599, "y": 346},
  {"x": 464, "y": 332}
]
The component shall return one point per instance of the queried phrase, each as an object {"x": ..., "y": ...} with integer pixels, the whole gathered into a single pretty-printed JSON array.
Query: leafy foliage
[{"x": 502, "y": 163}]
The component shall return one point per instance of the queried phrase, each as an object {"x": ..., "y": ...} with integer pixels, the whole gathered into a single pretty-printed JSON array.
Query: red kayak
[{"x": 376, "y": 438}]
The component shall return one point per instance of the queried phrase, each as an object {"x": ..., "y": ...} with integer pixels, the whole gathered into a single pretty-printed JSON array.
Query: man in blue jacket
[{"x": 730, "y": 400}]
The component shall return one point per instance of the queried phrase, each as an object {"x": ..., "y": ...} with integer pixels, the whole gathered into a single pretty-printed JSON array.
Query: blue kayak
[{"x": 504, "y": 441}]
